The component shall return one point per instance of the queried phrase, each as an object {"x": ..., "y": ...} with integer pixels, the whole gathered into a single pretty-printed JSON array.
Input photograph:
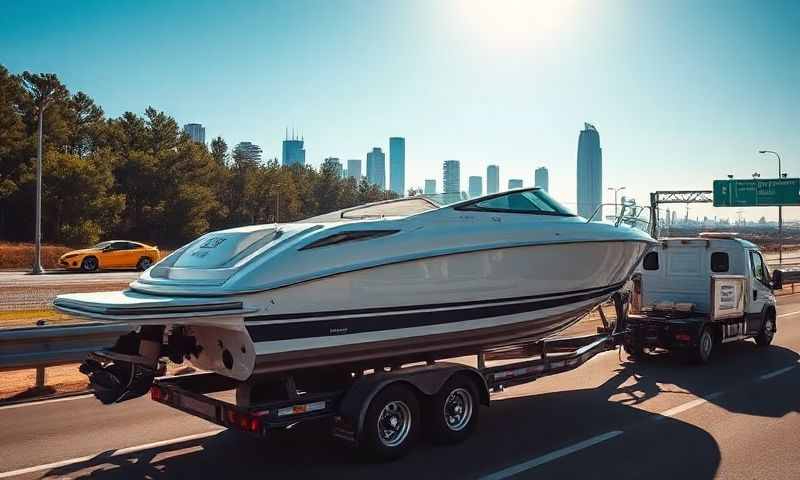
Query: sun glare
[{"x": 515, "y": 23}]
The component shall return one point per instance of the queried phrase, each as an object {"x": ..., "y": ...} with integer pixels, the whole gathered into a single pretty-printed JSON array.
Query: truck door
[{"x": 760, "y": 292}]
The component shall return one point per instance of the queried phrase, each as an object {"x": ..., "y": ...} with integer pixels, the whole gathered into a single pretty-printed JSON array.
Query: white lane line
[
  {"x": 35, "y": 403},
  {"x": 767, "y": 376},
  {"x": 687, "y": 406},
  {"x": 103, "y": 455},
  {"x": 563, "y": 452},
  {"x": 789, "y": 314}
]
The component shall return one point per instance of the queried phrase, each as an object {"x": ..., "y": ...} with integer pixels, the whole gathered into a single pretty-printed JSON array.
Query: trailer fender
[{"x": 426, "y": 380}]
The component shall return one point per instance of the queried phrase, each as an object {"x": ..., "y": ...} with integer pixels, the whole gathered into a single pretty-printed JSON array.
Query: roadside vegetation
[{"x": 140, "y": 177}]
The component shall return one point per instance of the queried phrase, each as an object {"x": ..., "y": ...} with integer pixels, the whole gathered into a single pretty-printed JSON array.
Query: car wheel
[
  {"x": 144, "y": 264},
  {"x": 89, "y": 264}
]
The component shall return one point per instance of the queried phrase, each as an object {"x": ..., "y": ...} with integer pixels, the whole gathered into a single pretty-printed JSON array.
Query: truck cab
[{"x": 695, "y": 293}]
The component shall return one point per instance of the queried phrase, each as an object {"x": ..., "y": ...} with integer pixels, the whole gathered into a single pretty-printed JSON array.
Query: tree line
[{"x": 140, "y": 177}]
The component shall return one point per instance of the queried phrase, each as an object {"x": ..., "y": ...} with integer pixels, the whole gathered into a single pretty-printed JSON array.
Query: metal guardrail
[{"x": 47, "y": 346}]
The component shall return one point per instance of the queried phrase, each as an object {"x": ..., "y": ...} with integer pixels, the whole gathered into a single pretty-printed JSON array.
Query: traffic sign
[{"x": 759, "y": 192}]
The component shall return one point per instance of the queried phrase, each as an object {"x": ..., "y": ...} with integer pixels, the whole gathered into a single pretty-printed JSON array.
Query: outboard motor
[{"x": 127, "y": 370}]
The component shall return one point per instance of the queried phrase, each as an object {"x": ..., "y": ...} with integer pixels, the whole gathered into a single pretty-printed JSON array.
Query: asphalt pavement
[{"x": 736, "y": 418}]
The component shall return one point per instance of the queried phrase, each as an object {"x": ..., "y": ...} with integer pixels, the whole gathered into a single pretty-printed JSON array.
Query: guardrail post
[{"x": 40, "y": 377}]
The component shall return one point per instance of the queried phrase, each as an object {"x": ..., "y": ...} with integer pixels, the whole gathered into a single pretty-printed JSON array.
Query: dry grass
[
  {"x": 20, "y": 255},
  {"x": 26, "y": 318},
  {"x": 18, "y": 385}
]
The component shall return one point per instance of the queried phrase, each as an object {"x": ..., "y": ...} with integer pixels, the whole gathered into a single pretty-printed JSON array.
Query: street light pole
[
  {"x": 37, "y": 246},
  {"x": 780, "y": 208}
]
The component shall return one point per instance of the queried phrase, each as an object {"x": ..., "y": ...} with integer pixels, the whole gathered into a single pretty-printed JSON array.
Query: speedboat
[{"x": 368, "y": 286}]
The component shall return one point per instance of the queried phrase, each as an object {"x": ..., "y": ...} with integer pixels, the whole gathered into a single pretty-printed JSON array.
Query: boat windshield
[{"x": 533, "y": 201}]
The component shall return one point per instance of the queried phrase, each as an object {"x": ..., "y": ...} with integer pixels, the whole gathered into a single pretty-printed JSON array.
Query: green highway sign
[{"x": 759, "y": 192}]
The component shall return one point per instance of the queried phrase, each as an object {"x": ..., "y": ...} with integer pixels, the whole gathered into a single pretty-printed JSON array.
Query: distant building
[
  {"x": 430, "y": 186},
  {"x": 196, "y": 132},
  {"x": 451, "y": 176},
  {"x": 492, "y": 179},
  {"x": 541, "y": 178},
  {"x": 397, "y": 165},
  {"x": 590, "y": 172},
  {"x": 475, "y": 186},
  {"x": 334, "y": 163},
  {"x": 246, "y": 152},
  {"x": 293, "y": 151},
  {"x": 514, "y": 183},
  {"x": 354, "y": 169},
  {"x": 376, "y": 167}
]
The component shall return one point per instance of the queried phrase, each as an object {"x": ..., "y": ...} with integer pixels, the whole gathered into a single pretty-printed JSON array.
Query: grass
[{"x": 20, "y": 255}]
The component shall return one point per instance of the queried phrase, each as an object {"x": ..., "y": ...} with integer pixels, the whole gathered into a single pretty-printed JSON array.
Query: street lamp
[
  {"x": 616, "y": 190},
  {"x": 780, "y": 208},
  {"x": 37, "y": 246}
]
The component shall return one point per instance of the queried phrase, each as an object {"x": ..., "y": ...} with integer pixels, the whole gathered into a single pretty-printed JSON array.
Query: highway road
[
  {"x": 736, "y": 418},
  {"x": 23, "y": 291}
]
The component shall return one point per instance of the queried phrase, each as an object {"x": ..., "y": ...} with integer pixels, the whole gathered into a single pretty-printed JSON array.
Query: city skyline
[
  {"x": 397, "y": 165},
  {"x": 589, "y": 178},
  {"x": 684, "y": 92}
]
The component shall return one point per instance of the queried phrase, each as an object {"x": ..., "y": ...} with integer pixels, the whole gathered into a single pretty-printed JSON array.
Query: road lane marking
[
  {"x": 554, "y": 455},
  {"x": 781, "y": 371},
  {"x": 687, "y": 406},
  {"x": 103, "y": 455},
  {"x": 45, "y": 402},
  {"x": 789, "y": 314}
]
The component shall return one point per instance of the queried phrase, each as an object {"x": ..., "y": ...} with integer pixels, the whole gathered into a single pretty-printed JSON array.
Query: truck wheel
[
  {"x": 701, "y": 353},
  {"x": 89, "y": 264},
  {"x": 767, "y": 333},
  {"x": 391, "y": 424},
  {"x": 454, "y": 411}
]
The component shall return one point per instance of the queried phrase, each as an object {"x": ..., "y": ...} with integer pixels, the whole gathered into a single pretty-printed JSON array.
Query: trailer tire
[
  {"x": 453, "y": 411},
  {"x": 767, "y": 333},
  {"x": 701, "y": 353},
  {"x": 391, "y": 424}
]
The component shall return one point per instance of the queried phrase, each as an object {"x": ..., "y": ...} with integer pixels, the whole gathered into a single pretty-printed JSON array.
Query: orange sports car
[{"x": 114, "y": 254}]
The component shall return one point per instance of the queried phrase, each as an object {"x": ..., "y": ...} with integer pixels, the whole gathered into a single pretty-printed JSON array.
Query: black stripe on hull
[{"x": 369, "y": 323}]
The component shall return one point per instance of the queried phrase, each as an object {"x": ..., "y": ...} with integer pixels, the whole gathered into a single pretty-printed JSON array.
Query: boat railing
[{"x": 631, "y": 215}]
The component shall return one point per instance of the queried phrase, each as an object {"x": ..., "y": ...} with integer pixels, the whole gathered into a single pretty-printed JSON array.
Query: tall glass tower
[
  {"x": 541, "y": 178},
  {"x": 590, "y": 172},
  {"x": 397, "y": 165},
  {"x": 514, "y": 183},
  {"x": 475, "y": 187},
  {"x": 430, "y": 186},
  {"x": 354, "y": 169},
  {"x": 451, "y": 176},
  {"x": 492, "y": 179},
  {"x": 376, "y": 167},
  {"x": 293, "y": 151}
]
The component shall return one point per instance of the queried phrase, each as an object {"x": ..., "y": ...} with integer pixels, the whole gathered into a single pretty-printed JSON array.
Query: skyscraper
[
  {"x": 451, "y": 176},
  {"x": 541, "y": 178},
  {"x": 492, "y": 179},
  {"x": 333, "y": 162},
  {"x": 590, "y": 172},
  {"x": 196, "y": 132},
  {"x": 376, "y": 167},
  {"x": 514, "y": 183},
  {"x": 354, "y": 169},
  {"x": 397, "y": 165},
  {"x": 293, "y": 151},
  {"x": 475, "y": 186},
  {"x": 430, "y": 186}
]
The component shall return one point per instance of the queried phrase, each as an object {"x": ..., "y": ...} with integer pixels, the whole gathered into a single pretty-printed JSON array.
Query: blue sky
[{"x": 682, "y": 92}]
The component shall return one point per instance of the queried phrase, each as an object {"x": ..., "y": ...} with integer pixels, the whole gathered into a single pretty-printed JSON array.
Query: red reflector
[
  {"x": 231, "y": 416},
  {"x": 155, "y": 393},
  {"x": 682, "y": 337},
  {"x": 255, "y": 424}
]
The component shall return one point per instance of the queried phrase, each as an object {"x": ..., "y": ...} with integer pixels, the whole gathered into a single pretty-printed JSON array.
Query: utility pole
[
  {"x": 37, "y": 245},
  {"x": 780, "y": 209}
]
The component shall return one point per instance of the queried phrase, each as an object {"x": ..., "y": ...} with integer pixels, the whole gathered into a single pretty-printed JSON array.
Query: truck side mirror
[{"x": 777, "y": 279}]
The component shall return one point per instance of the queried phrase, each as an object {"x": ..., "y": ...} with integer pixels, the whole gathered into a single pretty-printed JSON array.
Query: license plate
[{"x": 203, "y": 409}]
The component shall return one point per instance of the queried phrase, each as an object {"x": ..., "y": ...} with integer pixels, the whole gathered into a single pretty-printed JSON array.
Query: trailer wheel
[
  {"x": 454, "y": 411},
  {"x": 765, "y": 336},
  {"x": 391, "y": 424},
  {"x": 701, "y": 353}
]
